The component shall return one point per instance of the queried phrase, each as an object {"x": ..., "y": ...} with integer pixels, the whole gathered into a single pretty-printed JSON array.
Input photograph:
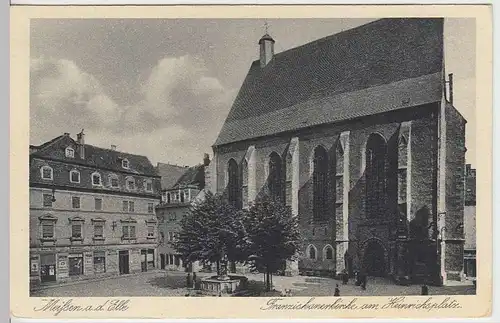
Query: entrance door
[
  {"x": 162, "y": 261},
  {"x": 123, "y": 262},
  {"x": 48, "y": 273},
  {"x": 374, "y": 259},
  {"x": 144, "y": 263},
  {"x": 75, "y": 266}
]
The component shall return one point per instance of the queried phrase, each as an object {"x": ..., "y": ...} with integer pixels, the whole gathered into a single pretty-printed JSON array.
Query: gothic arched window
[
  {"x": 233, "y": 184},
  {"x": 320, "y": 183},
  {"x": 339, "y": 174},
  {"x": 311, "y": 252},
  {"x": 375, "y": 175},
  {"x": 275, "y": 179},
  {"x": 402, "y": 169},
  {"x": 328, "y": 252},
  {"x": 244, "y": 183}
]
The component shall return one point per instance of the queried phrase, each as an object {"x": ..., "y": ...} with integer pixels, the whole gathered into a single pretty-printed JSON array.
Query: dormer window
[
  {"x": 96, "y": 179},
  {"x": 47, "y": 173},
  {"x": 74, "y": 176},
  {"x": 125, "y": 163},
  {"x": 70, "y": 152}
]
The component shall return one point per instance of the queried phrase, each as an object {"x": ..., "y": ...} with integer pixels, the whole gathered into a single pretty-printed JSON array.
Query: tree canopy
[{"x": 211, "y": 230}]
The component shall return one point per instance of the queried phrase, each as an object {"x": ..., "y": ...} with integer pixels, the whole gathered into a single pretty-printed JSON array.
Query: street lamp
[{"x": 53, "y": 194}]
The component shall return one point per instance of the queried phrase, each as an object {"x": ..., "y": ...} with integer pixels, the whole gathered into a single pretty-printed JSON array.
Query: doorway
[
  {"x": 76, "y": 265},
  {"x": 47, "y": 268},
  {"x": 162, "y": 261},
  {"x": 144, "y": 263},
  {"x": 123, "y": 262},
  {"x": 374, "y": 256}
]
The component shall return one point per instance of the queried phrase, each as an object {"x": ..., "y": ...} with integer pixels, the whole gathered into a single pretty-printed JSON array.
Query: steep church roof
[{"x": 378, "y": 67}]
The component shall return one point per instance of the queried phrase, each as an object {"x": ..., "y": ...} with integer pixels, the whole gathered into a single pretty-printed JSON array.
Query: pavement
[{"x": 170, "y": 283}]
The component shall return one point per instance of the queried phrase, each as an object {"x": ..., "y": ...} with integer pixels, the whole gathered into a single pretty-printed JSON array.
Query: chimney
[
  {"x": 450, "y": 87},
  {"x": 80, "y": 139},
  {"x": 66, "y": 134},
  {"x": 266, "y": 50},
  {"x": 113, "y": 147},
  {"x": 468, "y": 169},
  {"x": 206, "y": 159}
]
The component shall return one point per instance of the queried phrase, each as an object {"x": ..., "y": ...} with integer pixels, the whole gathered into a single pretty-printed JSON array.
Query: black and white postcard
[{"x": 251, "y": 161}]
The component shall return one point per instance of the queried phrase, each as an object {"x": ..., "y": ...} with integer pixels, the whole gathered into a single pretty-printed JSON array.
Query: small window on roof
[
  {"x": 70, "y": 152},
  {"x": 125, "y": 163}
]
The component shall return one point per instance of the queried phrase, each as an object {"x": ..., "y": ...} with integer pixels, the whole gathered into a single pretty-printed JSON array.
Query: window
[
  {"x": 234, "y": 195},
  {"x": 98, "y": 204},
  {"x": 244, "y": 183},
  {"x": 339, "y": 174},
  {"x": 168, "y": 197},
  {"x": 96, "y": 179},
  {"x": 130, "y": 183},
  {"x": 47, "y": 200},
  {"x": 149, "y": 186},
  {"x": 170, "y": 236},
  {"x": 46, "y": 173},
  {"x": 125, "y": 163},
  {"x": 76, "y": 230},
  {"x": 328, "y": 252},
  {"x": 288, "y": 179},
  {"x": 74, "y": 176},
  {"x": 182, "y": 197},
  {"x": 151, "y": 231},
  {"x": 375, "y": 176},
  {"x": 113, "y": 180},
  {"x": 128, "y": 206},
  {"x": 150, "y": 208},
  {"x": 402, "y": 171},
  {"x": 128, "y": 231},
  {"x": 311, "y": 252},
  {"x": 75, "y": 202},
  {"x": 275, "y": 179},
  {"x": 48, "y": 230},
  {"x": 70, "y": 152},
  {"x": 187, "y": 196},
  {"x": 99, "y": 230},
  {"x": 320, "y": 183}
]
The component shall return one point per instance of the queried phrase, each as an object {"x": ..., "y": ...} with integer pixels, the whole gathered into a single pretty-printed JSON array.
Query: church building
[{"x": 356, "y": 133}]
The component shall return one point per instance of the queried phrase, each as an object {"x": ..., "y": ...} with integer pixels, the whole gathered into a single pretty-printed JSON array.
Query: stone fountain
[{"x": 224, "y": 284}]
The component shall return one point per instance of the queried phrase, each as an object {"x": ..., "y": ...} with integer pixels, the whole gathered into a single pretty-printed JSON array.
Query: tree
[
  {"x": 212, "y": 231},
  {"x": 273, "y": 236}
]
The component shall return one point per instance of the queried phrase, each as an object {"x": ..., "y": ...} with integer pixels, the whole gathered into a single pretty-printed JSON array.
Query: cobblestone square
[{"x": 167, "y": 284}]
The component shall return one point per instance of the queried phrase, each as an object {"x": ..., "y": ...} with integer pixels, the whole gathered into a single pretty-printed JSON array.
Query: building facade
[
  {"x": 91, "y": 211},
  {"x": 470, "y": 223},
  {"x": 176, "y": 203},
  {"x": 358, "y": 134}
]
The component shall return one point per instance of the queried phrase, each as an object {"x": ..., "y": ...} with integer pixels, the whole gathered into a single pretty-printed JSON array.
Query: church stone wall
[{"x": 362, "y": 231}]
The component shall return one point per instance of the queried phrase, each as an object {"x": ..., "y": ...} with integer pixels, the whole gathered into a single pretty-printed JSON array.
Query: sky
[{"x": 163, "y": 87}]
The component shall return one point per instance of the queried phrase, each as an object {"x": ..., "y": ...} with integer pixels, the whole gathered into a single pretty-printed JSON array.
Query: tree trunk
[
  {"x": 271, "y": 281},
  {"x": 218, "y": 267},
  {"x": 268, "y": 281}
]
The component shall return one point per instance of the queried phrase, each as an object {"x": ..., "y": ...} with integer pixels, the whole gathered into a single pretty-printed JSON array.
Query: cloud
[{"x": 179, "y": 104}]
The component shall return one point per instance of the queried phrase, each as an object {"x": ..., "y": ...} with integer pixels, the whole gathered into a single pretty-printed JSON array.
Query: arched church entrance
[{"x": 374, "y": 259}]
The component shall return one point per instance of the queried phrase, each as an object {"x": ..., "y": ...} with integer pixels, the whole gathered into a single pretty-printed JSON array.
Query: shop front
[
  {"x": 48, "y": 267},
  {"x": 75, "y": 265}
]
